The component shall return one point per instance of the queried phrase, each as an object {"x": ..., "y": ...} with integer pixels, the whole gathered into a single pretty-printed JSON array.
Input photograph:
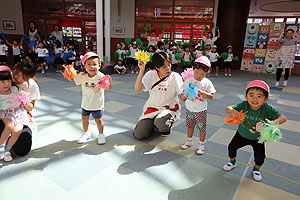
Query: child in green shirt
[{"x": 256, "y": 109}]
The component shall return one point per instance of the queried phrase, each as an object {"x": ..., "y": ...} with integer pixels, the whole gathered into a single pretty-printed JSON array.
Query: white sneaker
[
  {"x": 284, "y": 83},
  {"x": 43, "y": 71},
  {"x": 46, "y": 67},
  {"x": 101, "y": 139},
  {"x": 7, "y": 157},
  {"x": 57, "y": 70},
  {"x": 217, "y": 74},
  {"x": 257, "y": 175},
  {"x": 83, "y": 138},
  {"x": 229, "y": 166},
  {"x": 186, "y": 145},
  {"x": 277, "y": 83},
  {"x": 225, "y": 74},
  {"x": 229, "y": 75},
  {"x": 132, "y": 71},
  {"x": 200, "y": 150}
]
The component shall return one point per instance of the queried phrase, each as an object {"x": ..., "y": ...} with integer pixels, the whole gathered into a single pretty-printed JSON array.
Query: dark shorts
[
  {"x": 227, "y": 64},
  {"x": 132, "y": 61},
  {"x": 197, "y": 119},
  {"x": 3, "y": 58},
  {"x": 214, "y": 64},
  {"x": 17, "y": 59},
  {"x": 59, "y": 61},
  {"x": 97, "y": 114},
  {"x": 71, "y": 61},
  {"x": 41, "y": 60}
]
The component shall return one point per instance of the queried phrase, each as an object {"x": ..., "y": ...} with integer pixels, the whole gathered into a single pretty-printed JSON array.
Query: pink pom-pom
[
  {"x": 20, "y": 100},
  {"x": 103, "y": 83},
  {"x": 187, "y": 73}
]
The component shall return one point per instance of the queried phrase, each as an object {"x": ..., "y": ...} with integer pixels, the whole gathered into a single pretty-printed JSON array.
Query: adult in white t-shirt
[
  {"x": 58, "y": 34},
  {"x": 210, "y": 39},
  {"x": 22, "y": 75},
  {"x": 153, "y": 39},
  {"x": 162, "y": 108}
]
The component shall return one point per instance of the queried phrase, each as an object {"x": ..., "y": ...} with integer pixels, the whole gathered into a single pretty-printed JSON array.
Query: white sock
[{"x": 189, "y": 139}]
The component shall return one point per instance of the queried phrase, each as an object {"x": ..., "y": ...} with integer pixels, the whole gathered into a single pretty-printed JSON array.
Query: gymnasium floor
[{"x": 124, "y": 168}]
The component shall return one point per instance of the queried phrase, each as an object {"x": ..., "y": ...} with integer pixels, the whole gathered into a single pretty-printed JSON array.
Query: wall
[
  {"x": 11, "y": 10},
  {"x": 126, "y": 18}
]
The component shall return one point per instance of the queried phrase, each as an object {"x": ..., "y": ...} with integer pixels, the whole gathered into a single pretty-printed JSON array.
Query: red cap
[
  {"x": 260, "y": 84},
  {"x": 203, "y": 60},
  {"x": 4, "y": 68},
  {"x": 87, "y": 56}
]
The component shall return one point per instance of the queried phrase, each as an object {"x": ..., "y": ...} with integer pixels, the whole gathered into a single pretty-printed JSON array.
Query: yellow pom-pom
[{"x": 142, "y": 56}]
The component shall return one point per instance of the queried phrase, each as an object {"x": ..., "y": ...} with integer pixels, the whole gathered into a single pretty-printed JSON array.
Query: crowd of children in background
[{"x": 182, "y": 54}]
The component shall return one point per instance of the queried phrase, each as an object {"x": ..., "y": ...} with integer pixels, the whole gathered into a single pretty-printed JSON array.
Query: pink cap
[
  {"x": 203, "y": 60},
  {"x": 87, "y": 56},
  {"x": 260, "y": 84},
  {"x": 4, "y": 68}
]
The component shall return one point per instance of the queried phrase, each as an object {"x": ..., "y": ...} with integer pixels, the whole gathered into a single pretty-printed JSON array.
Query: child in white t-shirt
[
  {"x": 3, "y": 52},
  {"x": 16, "y": 50},
  {"x": 42, "y": 53},
  {"x": 131, "y": 61},
  {"x": 92, "y": 101},
  {"x": 174, "y": 59},
  {"x": 198, "y": 51},
  {"x": 120, "y": 68},
  {"x": 228, "y": 61},
  {"x": 196, "y": 110},
  {"x": 213, "y": 58}
]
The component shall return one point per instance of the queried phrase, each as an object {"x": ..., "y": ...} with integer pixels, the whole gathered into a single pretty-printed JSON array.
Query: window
[
  {"x": 290, "y": 20},
  {"x": 279, "y": 19},
  {"x": 249, "y": 21},
  {"x": 257, "y": 20}
]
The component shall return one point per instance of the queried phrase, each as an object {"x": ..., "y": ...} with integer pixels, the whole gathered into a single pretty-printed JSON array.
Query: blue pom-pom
[
  {"x": 191, "y": 92},
  {"x": 37, "y": 35},
  {"x": 4, "y": 36},
  {"x": 49, "y": 59},
  {"x": 57, "y": 55},
  {"x": 25, "y": 38},
  {"x": 53, "y": 38},
  {"x": 33, "y": 43}
]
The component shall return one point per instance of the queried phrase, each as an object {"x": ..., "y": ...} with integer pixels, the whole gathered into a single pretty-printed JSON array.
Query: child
[
  {"x": 121, "y": 52},
  {"x": 16, "y": 50},
  {"x": 198, "y": 51},
  {"x": 77, "y": 64},
  {"x": 149, "y": 64},
  {"x": 228, "y": 61},
  {"x": 3, "y": 52},
  {"x": 196, "y": 110},
  {"x": 92, "y": 103},
  {"x": 186, "y": 58},
  {"x": 120, "y": 68},
  {"x": 173, "y": 59},
  {"x": 42, "y": 53},
  {"x": 13, "y": 116},
  {"x": 131, "y": 60},
  {"x": 207, "y": 49},
  {"x": 213, "y": 58},
  {"x": 71, "y": 53},
  {"x": 59, "y": 54},
  {"x": 257, "y": 109},
  {"x": 160, "y": 47}
]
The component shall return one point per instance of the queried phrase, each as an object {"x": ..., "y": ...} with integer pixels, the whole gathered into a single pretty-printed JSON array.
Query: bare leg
[
  {"x": 202, "y": 136},
  {"x": 85, "y": 123},
  {"x": 8, "y": 128},
  {"x": 100, "y": 125}
]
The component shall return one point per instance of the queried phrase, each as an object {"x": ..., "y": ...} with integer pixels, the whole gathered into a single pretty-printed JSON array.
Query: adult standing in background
[
  {"x": 210, "y": 39},
  {"x": 58, "y": 34},
  {"x": 286, "y": 55},
  {"x": 34, "y": 35}
]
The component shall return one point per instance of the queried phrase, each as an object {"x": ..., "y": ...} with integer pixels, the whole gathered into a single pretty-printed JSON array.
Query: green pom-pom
[
  {"x": 206, "y": 29},
  {"x": 195, "y": 57},
  {"x": 138, "y": 41},
  {"x": 174, "y": 44},
  {"x": 177, "y": 56},
  {"x": 204, "y": 47},
  {"x": 183, "y": 64},
  {"x": 150, "y": 57},
  {"x": 122, "y": 56},
  {"x": 128, "y": 53},
  {"x": 146, "y": 28},
  {"x": 216, "y": 29},
  {"x": 192, "y": 52},
  {"x": 127, "y": 41},
  {"x": 146, "y": 49},
  {"x": 105, "y": 59},
  {"x": 236, "y": 58},
  {"x": 224, "y": 55},
  {"x": 179, "y": 43},
  {"x": 188, "y": 63},
  {"x": 166, "y": 41},
  {"x": 206, "y": 55},
  {"x": 163, "y": 27},
  {"x": 170, "y": 55},
  {"x": 269, "y": 132},
  {"x": 117, "y": 55}
]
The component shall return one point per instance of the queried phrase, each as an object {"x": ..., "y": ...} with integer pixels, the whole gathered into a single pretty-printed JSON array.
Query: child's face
[
  {"x": 92, "y": 66},
  {"x": 213, "y": 49},
  {"x": 119, "y": 62},
  {"x": 134, "y": 46},
  {"x": 173, "y": 50},
  {"x": 41, "y": 45},
  {"x": 199, "y": 74},
  {"x": 5, "y": 86},
  {"x": 229, "y": 50},
  {"x": 18, "y": 77},
  {"x": 118, "y": 47},
  {"x": 15, "y": 42},
  {"x": 187, "y": 49},
  {"x": 162, "y": 46},
  {"x": 208, "y": 47},
  {"x": 256, "y": 98},
  {"x": 71, "y": 46}
]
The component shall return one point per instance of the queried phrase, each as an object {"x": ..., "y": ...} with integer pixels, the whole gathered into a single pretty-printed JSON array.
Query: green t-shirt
[{"x": 252, "y": 117}]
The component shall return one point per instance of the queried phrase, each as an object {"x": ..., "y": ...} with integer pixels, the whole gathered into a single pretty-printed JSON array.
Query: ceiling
[{"x": 274, "y": 8}]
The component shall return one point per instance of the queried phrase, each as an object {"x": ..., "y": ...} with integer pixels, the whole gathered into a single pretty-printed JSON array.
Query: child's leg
[
  {"x": 100, "y": 125},
  {"x": 85, "y": 123},
  {"x": 98, "y": 119},
  {"x": 217, "y": 70},
  {"x": 259, "y": 157},
  {"x": 190, "y": 123},
  {"x": 11, "y": 141},
  {"x": 8, "y": 128},
  {"x": 229, "y": 71}
]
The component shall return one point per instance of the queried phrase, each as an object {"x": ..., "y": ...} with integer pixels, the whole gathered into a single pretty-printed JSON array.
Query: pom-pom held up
[{"x": 142, "y": 56}]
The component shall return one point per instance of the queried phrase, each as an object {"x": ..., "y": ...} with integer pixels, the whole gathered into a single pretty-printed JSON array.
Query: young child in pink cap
[
  {"x": 257, "y": 110},
  {"x": 196, "y": 109},
  {"x": 92, "y": 102}
]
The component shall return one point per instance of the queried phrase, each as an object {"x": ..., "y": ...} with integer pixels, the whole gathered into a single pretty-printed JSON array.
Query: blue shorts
[{"x": 97, "y": 114}]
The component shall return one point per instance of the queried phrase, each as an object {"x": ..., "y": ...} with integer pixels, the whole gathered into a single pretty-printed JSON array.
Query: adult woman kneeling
[{"x": 162, "y": 108}]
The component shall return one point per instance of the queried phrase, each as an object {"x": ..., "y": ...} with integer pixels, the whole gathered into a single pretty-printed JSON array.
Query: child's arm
[
  {"x": 139, "y": 86},
  {"x": 110, "y": 85},
  {"x": 207, "y": 95},
  {"x": 280, "y": 37},
  {"x": 29, "y": 106},
  {"x": 280, "y": 119},
  {"x": 218, "y": 36},
  {"x": 7, "y": 42},
  {"x": 232, "y": 111}
]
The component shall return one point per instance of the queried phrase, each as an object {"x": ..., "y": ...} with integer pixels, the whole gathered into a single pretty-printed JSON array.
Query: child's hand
[{"x": 235, "y": 113}]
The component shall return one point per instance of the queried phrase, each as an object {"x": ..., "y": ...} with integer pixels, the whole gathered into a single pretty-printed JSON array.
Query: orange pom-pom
[
  {"x": 228, "y": 119},
  {"x": 69, "y": 72}
]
